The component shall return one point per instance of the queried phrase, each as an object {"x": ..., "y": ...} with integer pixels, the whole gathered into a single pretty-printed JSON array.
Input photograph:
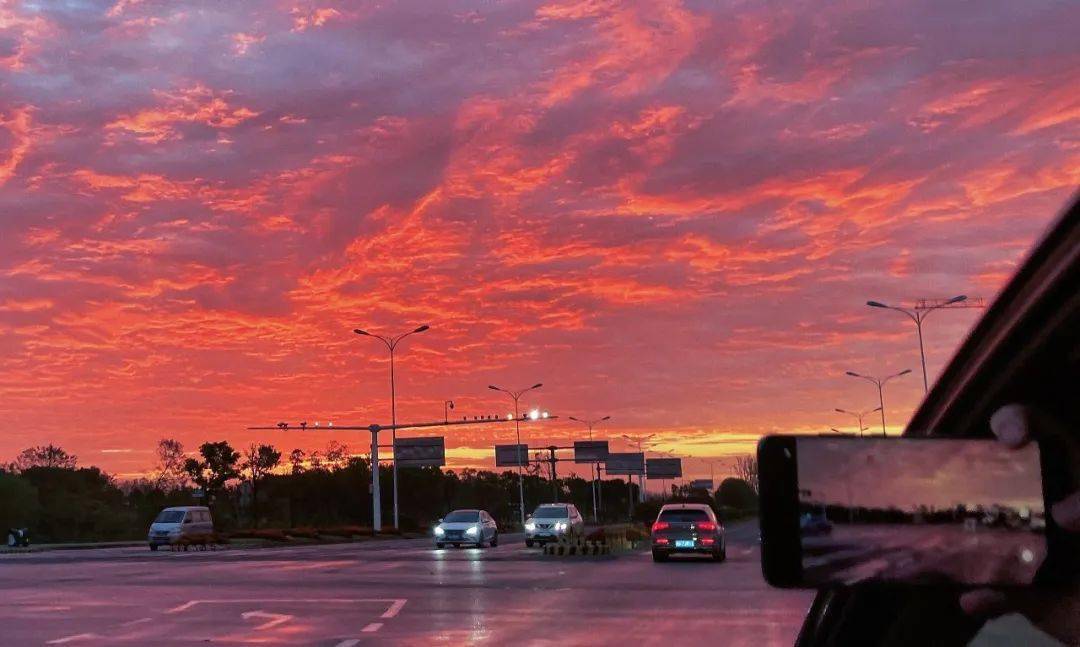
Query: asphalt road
[
  {"x": 400, "y": 591},
  {"x": 932, "y": 553}
]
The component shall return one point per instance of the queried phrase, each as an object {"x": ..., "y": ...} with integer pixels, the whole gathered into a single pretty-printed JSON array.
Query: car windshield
[
  {"x": 462, "y": 516},
  {"x": 683, "y": 516},
  {"x": 551, "y": 512},
  {"x": 170, "y": 516}
]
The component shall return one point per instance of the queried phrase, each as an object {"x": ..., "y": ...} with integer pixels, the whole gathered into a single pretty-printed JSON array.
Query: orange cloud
[{"x": 197, "y": 104}]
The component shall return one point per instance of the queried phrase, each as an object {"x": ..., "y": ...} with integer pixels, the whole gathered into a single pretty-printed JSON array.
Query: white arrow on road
[{"x": 274, "y": 619}]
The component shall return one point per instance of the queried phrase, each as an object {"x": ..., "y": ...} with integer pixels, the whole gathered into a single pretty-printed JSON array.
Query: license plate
[{"x": 684, "y": 543}]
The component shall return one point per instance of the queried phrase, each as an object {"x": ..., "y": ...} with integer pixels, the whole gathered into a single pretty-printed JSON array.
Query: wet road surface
[{"x": 398, "y": 591}]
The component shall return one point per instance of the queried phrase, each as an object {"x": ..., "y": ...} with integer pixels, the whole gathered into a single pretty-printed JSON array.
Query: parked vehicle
[
  {"x": 172, "y": 524},
  {"x": 552, "y": 521},
  {"x": 690, "y": 528},
  {"x": 466, "y": 527}
]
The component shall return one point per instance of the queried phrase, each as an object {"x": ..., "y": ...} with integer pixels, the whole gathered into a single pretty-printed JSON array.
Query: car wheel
[
  {"x": 719, "y": 555},
  {"x": 657, "y": 556},
  {"x": 528, "y": 543},
  {"x": 439, "y": 544},
  {"x": 495, "y": 540},
  {"x": 153, "y": 546}
]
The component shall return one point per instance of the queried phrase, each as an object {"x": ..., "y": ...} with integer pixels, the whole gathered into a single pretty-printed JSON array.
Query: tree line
[{"x": 45, "y": 490}]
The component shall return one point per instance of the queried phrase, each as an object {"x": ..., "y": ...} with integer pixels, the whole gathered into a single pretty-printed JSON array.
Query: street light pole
[
  {"x": 859, "y": 416},
  {"x": 516, "y": 396},
  {"x": 880, "y": 383},
  {"x": 391, "y": 345},
  {"x": 918, "y": 315},
  {"x": 592, "y": 466}
]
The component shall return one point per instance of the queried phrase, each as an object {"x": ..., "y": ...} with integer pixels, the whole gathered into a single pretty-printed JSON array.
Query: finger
[
  {"x": 1011, "y": 425},
  {"x": 984, "y": 603},
  {"x": 1066, "y": 513}
]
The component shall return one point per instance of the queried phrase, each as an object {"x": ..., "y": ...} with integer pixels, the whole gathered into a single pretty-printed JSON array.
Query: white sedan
[{"x": 475, "y": 527}]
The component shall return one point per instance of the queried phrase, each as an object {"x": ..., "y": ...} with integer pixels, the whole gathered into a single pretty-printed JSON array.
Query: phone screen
[{"x": 920, "y": 511}]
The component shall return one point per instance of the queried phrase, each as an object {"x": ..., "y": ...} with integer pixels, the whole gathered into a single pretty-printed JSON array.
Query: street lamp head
[
  {"x": 493, "y": 387},
  {"x": 840, "y": 411},
  {"x": 852, "y": 374},
  {"x": 575, "y": 419},
  {"x": 957, "y": 299},
  {"x": 422, "y": 328},
  {"x": 903, "y": 372},
  {"x": 361, "y": 332},
  {"x": 875, "y": 410},
  {"x": 537, "y": 385},
  {"x": 605, "y": 418},
  {"x": 876, "y": 304}
]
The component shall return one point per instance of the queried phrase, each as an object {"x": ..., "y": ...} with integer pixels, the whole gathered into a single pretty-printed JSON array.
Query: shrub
[
  {"x": 347, "y": 531},
  {"x": 305, "y": 533}
]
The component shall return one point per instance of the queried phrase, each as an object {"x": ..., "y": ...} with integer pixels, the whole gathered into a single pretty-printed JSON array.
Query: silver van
[{"x": 182, "y": 521}]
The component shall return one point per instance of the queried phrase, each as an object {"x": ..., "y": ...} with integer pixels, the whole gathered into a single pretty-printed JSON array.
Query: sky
[
  {"x": 668, "y": 212},
  {"x": 936, "y": 473}
]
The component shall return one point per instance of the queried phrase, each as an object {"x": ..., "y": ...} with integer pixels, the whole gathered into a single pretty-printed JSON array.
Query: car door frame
[{"x": 1037, "y": 309}]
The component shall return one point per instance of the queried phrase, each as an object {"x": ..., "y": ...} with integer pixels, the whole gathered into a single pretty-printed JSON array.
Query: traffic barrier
[{"x": 581, "y": 549}]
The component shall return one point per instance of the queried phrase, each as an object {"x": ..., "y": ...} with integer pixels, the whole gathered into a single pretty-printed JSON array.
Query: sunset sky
[
  {"x": 938, "y": 473},
  {"x": 671, "y": 213}
]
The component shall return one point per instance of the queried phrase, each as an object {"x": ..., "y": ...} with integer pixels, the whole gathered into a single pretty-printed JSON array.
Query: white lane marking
[
  {"x": 315, "y": 565},
  {"x": 372, "y": 628},
  {"x": 187, "y": 605},
  {"x": 274, "y": 619},
  {"x": 394, "y": 609},
  {"x": 71, "y": 639},
  {"x": 140, "y": 621},
  {"x": 351, "y": 642}
]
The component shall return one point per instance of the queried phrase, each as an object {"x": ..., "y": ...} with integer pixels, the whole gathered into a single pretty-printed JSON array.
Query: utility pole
[
  {"x": 880, "y": 383},
  {"x": 391, "y": 344},
  {"x": 516, "y": 396}
]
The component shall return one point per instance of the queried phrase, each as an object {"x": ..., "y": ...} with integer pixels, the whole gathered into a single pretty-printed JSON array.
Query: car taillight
[
  {"x": 661, "y": 540},
  {"x": 707, "y": 541},
  {"x": 706, "y": 525},
  {"x": 660, "y": 525}
]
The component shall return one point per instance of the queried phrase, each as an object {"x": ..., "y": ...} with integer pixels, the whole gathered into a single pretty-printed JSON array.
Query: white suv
[{"x": 551, "y": 521}]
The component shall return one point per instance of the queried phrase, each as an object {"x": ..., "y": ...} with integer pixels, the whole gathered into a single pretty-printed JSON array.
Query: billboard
[
  {"x": 702, "y": 484},
  {"x": 420, "y": 452},
  {"x": 590, "y": 451},
  {"x": 663, "y": 468},
  {"x": 629, "y": 463},
  {"x": 511, "y": 455}
]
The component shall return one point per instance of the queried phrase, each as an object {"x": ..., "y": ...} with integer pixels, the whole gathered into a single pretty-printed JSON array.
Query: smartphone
[{"x": 843, "y": 510}]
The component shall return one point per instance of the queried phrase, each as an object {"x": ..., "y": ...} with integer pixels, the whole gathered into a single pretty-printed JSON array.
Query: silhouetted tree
[
  {"x": 736, "y": 493},
  {"x": 296, "y": 460},
  {"x": 44, "y": 456},
  {"x": 170, "y": 465},
  {"x": 259, "y": 462},
  {"x": 746, "y": 468},
  {"x": 217, "y": 467}
]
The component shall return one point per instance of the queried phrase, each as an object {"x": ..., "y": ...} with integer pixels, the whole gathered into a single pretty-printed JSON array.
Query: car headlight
[
  {"x": 472, "y": 531},
  {"x": 439, "y": 532},
  {"x": 562, "y": 525},
  {"x": 530, "y": 526}
]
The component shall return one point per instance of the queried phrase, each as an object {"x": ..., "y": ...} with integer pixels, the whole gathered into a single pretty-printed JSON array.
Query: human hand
[{"x": 1054, "y": 610}]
